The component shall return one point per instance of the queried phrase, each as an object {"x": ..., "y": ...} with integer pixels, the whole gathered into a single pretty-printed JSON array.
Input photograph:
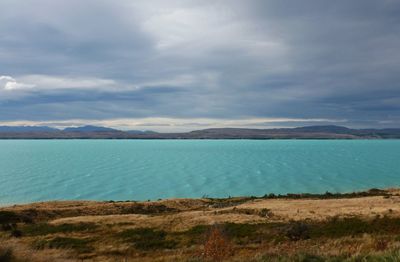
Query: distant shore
[{"x": 307, "y": 132}]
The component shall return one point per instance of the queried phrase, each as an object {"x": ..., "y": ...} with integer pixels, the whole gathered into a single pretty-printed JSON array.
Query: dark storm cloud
[{"x": 307, "y": 59}]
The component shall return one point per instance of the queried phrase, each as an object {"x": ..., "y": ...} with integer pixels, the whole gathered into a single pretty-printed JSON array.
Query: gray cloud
[{"x": 201, "y": 59}]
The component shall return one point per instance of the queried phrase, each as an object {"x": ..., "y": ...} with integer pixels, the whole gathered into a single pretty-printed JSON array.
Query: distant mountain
[
  {"x": 97, "y": 132},
  {"x": 88, "y": 129},
  {"x": 307, "y": 132},
  {"x": 27, "y": 129}
]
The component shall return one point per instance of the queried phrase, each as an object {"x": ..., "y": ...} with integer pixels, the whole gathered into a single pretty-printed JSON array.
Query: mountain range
[{"x": 98, "y": 132}]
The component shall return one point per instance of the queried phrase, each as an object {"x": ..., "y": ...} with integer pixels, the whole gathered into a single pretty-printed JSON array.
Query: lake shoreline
[{"x": 288, "y": 196}]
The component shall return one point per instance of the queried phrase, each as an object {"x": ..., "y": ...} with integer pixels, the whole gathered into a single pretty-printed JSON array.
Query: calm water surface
[{"x": 36, "y": 170}]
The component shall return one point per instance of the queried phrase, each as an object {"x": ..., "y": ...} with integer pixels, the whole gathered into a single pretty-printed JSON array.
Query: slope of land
[{"x": 340, "y": 227}]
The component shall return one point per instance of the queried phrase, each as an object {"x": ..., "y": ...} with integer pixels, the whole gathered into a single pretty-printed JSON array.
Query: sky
[{"x": 194, "y": 64}]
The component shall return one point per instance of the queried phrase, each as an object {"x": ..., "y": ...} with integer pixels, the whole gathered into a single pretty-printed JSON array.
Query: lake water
[{"x": 37, "y": 170}]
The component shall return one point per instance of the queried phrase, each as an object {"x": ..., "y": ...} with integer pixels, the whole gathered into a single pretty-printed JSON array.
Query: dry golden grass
[
  {"x": 23, "y": 253},
  {"x": 279, "y": 209},
  {"x": 178, "y": 229},
  {"x": 317, "y": 209}
]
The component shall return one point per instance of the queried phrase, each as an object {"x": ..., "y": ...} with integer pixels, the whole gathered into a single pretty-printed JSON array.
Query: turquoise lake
[{"x": 38, "y": 170}]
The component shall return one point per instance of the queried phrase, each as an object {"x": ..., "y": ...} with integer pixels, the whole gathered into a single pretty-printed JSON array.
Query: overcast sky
[{"x": 182, "y": 65}]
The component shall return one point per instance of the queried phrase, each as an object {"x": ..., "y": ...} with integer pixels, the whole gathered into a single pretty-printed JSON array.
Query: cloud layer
[{"x": 189, "y": 60}]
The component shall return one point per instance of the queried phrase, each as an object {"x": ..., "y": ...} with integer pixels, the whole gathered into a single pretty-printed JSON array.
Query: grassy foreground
[{"x": 361, "y": 226}]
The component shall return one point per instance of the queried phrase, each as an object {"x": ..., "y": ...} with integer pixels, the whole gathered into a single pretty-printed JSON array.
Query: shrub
[
  {"x": 217, "y": 246},
  {"x": 298, "y": 231}
]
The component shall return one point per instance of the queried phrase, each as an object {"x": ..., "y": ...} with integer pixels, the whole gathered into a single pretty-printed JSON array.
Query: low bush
[
  {"x": 217, "y": 246},
  {"x": 298, "y": 231}
]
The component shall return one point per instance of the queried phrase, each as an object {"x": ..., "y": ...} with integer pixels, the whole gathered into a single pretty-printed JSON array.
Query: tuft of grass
[
  {"x": 148, "y": 239},
  {"x": 46, "y": 229}
]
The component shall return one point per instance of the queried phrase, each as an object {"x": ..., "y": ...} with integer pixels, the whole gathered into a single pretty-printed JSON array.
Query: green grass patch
[
  {"x": 77, "y": 244},
  {"x": 148, "y": 238},
  {"x": 239, "y": 233},
  {"x": 336, "y": 227},
  {"x": 197, "y": 230},
  {"x": 233, "y": 230},
  {"x": 240, "y": 230},
  {"x": 243, "y": 234},
  {"x": 46, "y": 229}
]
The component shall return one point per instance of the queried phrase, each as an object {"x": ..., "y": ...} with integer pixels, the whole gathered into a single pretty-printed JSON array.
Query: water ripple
[{"x": 38, "y": 170}]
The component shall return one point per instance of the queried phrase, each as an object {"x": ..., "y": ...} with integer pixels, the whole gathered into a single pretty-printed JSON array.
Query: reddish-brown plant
[{"x": 217, "y": 246}]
